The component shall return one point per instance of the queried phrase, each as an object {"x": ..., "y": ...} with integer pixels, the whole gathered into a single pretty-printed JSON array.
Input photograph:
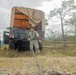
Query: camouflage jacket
[{"x": 33, "y": 35}]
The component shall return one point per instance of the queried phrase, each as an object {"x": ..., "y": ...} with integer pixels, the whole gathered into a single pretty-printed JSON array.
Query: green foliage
[
  {"x": 67, "y": 8},
  {"x": 54, "y": 35},
  {"x": 72, "y": 20},
  {"x": 52, "y": 13},
  {"x": 68, "y": 4},
  {"x": 46, "y": 22}
]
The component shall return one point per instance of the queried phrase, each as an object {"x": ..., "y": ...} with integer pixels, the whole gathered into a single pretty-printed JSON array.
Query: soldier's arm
[
  {"x": 29, "y": 37},
  {"x": 39, "y": 36}
]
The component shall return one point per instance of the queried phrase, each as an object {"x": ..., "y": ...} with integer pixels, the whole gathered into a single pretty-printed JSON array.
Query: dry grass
[
  {"x": 57, "y": 58},
  {"x": 28, "y": 65}
]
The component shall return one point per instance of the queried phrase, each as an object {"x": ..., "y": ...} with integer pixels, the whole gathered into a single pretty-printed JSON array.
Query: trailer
[{"x": 22, "y": 19}]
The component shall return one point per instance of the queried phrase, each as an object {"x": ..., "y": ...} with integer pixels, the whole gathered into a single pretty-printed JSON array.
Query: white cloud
[
  {"x": 26, "y": 3},
  {"x": 6, "y": 6}
]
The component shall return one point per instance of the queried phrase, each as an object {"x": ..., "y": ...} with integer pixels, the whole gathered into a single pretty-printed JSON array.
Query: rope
[{"x": 40, "y": 68}]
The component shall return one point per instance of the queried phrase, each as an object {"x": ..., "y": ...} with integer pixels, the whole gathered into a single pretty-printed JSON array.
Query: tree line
[{"x": 66, "y": 14}]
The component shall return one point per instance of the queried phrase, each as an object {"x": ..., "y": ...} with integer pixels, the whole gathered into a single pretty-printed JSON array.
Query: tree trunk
[
  {"x": 64, "y": 39},
  {"x": 75, "y": 32}
]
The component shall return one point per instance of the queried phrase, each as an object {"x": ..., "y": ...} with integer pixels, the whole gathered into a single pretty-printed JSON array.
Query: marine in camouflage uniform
[{"x": 33, "y": 38}]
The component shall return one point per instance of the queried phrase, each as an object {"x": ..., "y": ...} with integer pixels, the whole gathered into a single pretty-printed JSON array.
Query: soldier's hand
[
  {"x": 29, "y": 39},
  {"x": 41, "y": 38}
]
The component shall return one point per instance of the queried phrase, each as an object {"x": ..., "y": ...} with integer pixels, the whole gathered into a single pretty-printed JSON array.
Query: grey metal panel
[{"x": 19, "y": 33}]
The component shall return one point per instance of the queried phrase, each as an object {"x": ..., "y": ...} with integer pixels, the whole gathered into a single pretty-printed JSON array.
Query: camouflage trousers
[{"x": 34, "y": 44}]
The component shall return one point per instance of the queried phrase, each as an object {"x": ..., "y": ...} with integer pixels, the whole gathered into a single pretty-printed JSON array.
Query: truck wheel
[
  {"x": 11, "y": 44},
  {"x": 40, "y": 45}
]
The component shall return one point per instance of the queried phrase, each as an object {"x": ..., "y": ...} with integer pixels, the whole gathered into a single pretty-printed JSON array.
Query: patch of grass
[
  {"x": 57, "y": 50},
  {"x": 6, "y": 52},
  {"x": 60, "y": 52},
  {"x": 57, "y": 58}
]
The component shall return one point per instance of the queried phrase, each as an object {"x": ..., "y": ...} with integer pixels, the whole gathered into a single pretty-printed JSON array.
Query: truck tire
[
  {"x": 11, "y": 44},
  {"x": 40, "y": 45}
]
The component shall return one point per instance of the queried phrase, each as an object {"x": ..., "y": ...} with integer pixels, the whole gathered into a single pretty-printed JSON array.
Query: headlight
[{"x": 11, "y": 36}]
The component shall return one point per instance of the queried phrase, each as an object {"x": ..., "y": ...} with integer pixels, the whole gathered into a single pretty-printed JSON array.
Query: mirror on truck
[{"x": 6, "y": 37}]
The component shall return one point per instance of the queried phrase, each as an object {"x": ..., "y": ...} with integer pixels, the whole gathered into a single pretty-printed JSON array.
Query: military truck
[{"x": 22, "y": 19}]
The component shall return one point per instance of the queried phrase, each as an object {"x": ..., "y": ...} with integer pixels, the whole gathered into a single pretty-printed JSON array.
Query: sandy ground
[{"x": 28, "y": 65}]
